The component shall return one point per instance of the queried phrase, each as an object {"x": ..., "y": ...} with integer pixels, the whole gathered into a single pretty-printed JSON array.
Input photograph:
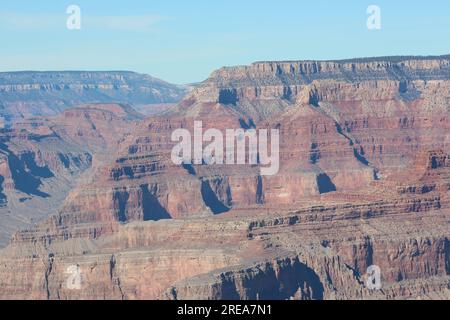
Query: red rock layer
[{"x": 364, "y": 179}]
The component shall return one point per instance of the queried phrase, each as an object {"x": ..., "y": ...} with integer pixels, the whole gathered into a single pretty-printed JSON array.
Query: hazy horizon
[
  {"x": 190, "y": 83},
  {"x": 183, "y": 42}
]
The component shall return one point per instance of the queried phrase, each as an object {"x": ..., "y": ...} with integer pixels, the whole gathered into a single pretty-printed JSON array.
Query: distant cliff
[
  {"x": 24, "y": 94},
  {"x": 264, "y": 88},
  {"x": 353, "y": 70}
]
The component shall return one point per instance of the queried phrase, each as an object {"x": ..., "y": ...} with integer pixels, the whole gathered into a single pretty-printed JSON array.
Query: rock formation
[
  {"x": 364, "y": 180},
  {"x": 42, "y": 159},
  {"x": 30, "y": 94}
]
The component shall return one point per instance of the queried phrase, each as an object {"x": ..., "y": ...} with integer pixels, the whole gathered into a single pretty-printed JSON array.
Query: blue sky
[{"x": 183, "y": 41}]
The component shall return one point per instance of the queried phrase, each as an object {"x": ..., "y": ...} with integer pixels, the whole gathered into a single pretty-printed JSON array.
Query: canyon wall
[
  {"x": 364, "y": 180},
  {"x": 42, "y": 159},
  {"x": 29, "y": 94}
]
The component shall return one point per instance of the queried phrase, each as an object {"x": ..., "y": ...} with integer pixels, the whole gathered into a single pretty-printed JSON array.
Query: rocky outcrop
[
  {"x": 349, "y": 125},
  {"x": 42, "y": 159},
  {"x": 364, "y": 180},
  {"x": 319, "y": 252}
]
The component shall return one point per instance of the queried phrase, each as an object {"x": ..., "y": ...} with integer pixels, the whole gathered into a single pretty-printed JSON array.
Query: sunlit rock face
[
  {"x": 43, "y": 159},
  {"x": 364, "y": 180}
]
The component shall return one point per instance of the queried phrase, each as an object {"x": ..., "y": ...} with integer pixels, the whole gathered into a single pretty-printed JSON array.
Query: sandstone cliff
[
  {"x": 364, "y": 180},
  {"x": 43, "y": 158}
]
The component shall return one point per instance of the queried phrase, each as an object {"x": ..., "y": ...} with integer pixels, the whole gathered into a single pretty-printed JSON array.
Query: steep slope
[
  {"x": 319, "y": 252},
  {"x": 337, "y": 134},
  {"x": 266, "y": 88},
  {"x": 42, "y": 159},
  {"x": 364, "y": 179}
]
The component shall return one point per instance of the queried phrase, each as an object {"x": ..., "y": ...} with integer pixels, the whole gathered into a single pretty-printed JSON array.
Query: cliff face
[
  {"x": 266, "y": 88},
  {"x": 336, "y": 134},
  {"x": 25, "y": 94},
  {"x": 42, "y": 159},
  {"x": 364, "y": 180},
  {"x": 319, "y": 252}
]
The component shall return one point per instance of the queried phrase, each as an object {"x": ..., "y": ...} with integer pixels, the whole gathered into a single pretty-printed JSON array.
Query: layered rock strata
[{"x": 364, "y": 180}]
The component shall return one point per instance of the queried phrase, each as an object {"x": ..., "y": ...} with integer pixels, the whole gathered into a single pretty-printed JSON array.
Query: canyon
[
  {"x": 43, "y": 158},
  {"x": 30, "y": 94},
  {"x": 364, "y": 179}
]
